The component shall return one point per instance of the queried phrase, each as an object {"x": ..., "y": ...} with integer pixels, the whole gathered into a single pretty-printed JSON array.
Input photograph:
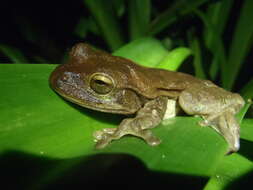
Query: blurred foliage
[
  {"x": 211, "y": 39},
  {"x": 219, "y": 33}
]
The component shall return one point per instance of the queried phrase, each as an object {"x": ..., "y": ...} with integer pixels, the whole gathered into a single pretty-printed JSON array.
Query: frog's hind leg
[
  {"x": 217, "y": 107},
  {"x": 148, "y": 117}
]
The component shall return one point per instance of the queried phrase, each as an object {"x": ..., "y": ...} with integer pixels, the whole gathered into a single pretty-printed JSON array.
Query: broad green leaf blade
[
  {"x": 26, "y": 117},
  {"x": 145, "y": 51},
  {"x": 106, "y": 21},
  {"x": 55, "y": 129},
  {"x": 138, "y": 17},
  {"x": 174, "y": 59},
  {"x": 37, "y": 121},
  {"x": 240, "y": 45},
  {"x": 13, "y": 54},
  {"x": 174, "y": 155}
]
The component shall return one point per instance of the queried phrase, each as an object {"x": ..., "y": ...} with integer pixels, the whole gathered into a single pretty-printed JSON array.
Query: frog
[{"x": 97, "y": 80}]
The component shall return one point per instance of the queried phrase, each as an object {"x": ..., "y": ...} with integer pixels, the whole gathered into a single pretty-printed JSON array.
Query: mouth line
[{"x": 89, "y": 105}]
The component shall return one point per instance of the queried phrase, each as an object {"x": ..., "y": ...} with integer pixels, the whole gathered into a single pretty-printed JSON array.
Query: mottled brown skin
[{"x": 100, "y": 81}]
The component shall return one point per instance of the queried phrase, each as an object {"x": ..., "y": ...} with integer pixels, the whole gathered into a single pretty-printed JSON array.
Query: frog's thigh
[
  {"x": 148, "y": 117},
  {"x": 217, "y": 107},
  {"x": 202, "y": 100}
]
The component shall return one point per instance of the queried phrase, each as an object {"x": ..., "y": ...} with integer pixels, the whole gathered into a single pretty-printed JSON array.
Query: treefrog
[{"x": 100, "y": 81}]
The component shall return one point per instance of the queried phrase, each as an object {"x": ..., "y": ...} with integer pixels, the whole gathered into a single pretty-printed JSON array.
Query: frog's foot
[
  {"x": 98, "y": 135},
  {"x": 147, "y": 117},
  {"x": 127, "y": 127},
  {"x": 227, "y": 126},
  {"x": 210, "y": 121},
  {"x": 230, "y": 130}
]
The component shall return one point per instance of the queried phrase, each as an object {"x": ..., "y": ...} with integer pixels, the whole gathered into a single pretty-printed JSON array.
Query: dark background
[{"x": 46, "y": 29}]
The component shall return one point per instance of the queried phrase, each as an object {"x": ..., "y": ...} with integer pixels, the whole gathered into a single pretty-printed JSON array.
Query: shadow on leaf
[
  {"x": 243, "y": 182},
  {"x": 26, "y": 171}
]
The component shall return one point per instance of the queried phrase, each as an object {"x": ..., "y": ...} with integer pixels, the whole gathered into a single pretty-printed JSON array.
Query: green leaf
[
  {"x": 240, "y": 115},
  {"x": 215, "y": 21},
  {"x": 247, "y": 130},
  {"x": 213, "y": 42},
  {"x": 197, "y": 62},
  {"x": 85, "y": 25},
  {"x": 247, "y": 91},
  {"x": 234, "y": 170},
  {"x": 145, "y": 51},
  {"x": 42, "y": 123},
  {"x": 217, "y": 16},
  {"x": 241, "y": 41},
  {"x": 119, "y": 7},
  {"x": 174, "y": 59},
  {"x": 155, "y": 54},
  {"x": 47, "y": 134},
  {"x": 231, "y": 171},
  {"x": 13, "y": 54},
  {"x": 139, "y": 16},
  {"x": 103, "y": 14}
]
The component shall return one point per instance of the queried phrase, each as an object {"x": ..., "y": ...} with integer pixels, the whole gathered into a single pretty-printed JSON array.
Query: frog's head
[{"x": 92, "y": 79}]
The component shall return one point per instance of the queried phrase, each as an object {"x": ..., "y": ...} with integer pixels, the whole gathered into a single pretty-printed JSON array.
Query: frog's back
[
  {"x": 151, "y": 82},
  {"x": 170, "y": 83}
]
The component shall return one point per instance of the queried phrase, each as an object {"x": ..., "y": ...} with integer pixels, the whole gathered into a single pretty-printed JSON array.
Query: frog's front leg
[
  {"x": 217, "y": 107},
  {"x": 148, "y": 117}
]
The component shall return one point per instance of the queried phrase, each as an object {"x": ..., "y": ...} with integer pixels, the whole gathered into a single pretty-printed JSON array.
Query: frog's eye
[{"x": 101, "y": 84}]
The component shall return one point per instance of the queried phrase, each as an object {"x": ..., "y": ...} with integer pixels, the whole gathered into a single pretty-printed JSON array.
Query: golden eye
[{"x": 101, "y": 83}]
